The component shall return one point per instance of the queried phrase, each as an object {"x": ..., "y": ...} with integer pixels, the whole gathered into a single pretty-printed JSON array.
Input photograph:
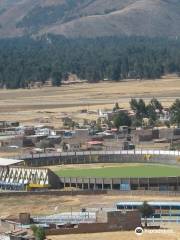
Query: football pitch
[{"x": 120, "y": 171}]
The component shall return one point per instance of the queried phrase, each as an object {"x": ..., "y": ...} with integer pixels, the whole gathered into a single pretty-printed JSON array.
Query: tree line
[{"x": 26, "y": 60}]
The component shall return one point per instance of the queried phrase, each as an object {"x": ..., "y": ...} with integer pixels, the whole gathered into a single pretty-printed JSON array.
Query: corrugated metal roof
[
  {"x": 7, "y": 162},
  {"x": 154, "y": 203}
]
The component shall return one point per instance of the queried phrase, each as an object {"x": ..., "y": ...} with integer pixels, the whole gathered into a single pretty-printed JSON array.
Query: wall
[
  {"x": 90, "y": 192},
  {"x": 116, "y": 221},
  {"x": 141, "y": 156}
]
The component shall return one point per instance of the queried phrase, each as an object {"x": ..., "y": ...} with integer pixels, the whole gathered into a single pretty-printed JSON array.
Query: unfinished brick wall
[{"x": 116, "y": 221}]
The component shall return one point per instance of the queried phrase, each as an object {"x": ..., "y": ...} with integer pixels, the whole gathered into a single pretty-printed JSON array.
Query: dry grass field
[
  {"x": 174, "y": 234},
  {"x": 44, "y": 205},
  {"x": 31, "y": 106}
]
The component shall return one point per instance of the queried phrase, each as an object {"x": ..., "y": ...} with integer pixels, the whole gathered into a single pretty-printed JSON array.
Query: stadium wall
[{"x": 140, "y": 156}]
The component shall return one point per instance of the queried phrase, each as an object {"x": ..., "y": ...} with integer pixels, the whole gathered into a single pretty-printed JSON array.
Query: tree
[
  {"x": 151, "y": 114},
  {"x": 142, "y": 108},
  {"x": 38, "y": 232},
  {"x": 146, "y": 211},
  {"x": 34, "y": 228},
  {"x": 44, "y": 144},
  {"x": 175, "y": 112},
  {"x": 156, "y": 104},
  {"x": 56, "y": 78},
  {"x": 116, "y": 74},
  {"x": 116, "y": 107},
  {"x": 122, "y": 119},
  {"x": 134, "y": 104},
  {"x": 152, "y": 110},
  {"x": 139, "y": 107}
]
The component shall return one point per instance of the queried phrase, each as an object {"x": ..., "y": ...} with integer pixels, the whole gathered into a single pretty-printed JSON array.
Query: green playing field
[{"x": 136, "y": 170}]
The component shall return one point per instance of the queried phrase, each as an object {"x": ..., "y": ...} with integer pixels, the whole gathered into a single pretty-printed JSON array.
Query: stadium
[{"x": 126, "y": 171}]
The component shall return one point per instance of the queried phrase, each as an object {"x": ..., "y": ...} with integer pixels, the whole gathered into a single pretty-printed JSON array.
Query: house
[
  {"x": 95, "y": 145},
  {"x": 123, "y": 220},
  {"x": 30, "y": 141},
  {"x": 81, "y": 133},
  {"x": 165, "y": 115},
  {"x": 109, "y": 115},
  {"x": 142, "y": 135},
  {"x": 9, "y": 141},
  {"x": 71, "y": 144},
  {"x": 54, "y": 139},
  {"x": 11, "y": 227},
  {"x": 6, "y": 124},
  {"x": 68, "y": 134},
  {"x": 44, "y": 131},
  {"x": 29, "y": 130}
]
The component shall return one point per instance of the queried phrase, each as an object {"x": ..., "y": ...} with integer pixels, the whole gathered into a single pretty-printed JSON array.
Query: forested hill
[{"x": 25, "y": 60}]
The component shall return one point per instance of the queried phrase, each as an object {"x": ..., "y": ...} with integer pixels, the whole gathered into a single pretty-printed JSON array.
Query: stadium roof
[
  {"x": 8, "y": 162},
  {"x": 154, "y": 203}
]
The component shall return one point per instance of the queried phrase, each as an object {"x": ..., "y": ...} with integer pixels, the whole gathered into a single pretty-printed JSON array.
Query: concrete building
[
  {"x": 8, "y": 141},
  {"x": 14, "y": 177},
  {"x": 161, "y": 208}
]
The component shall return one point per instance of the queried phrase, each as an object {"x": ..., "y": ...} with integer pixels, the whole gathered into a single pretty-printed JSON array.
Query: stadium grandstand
[{"x": 14, "y": 176}]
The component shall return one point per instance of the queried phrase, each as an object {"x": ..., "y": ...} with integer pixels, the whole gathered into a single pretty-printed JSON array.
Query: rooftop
[
  {"x": 7, "y": 162},
  {"x": 152, "y": 203}
]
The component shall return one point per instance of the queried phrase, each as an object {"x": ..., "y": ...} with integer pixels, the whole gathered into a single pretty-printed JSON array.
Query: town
[
  {"x": 142, "y": 126},
  {"x": 43, "y": 159},
  {"x": 89, "y": 119}
]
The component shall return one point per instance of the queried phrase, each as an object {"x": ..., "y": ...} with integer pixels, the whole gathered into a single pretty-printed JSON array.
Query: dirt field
[
  {"x": 54, "y": 204},
  {"x": 44, "y": 205},
  {"x": 172, "y": 233},
  {"x": 175, "y": 235},
  {"x": 50, "y": 104}
]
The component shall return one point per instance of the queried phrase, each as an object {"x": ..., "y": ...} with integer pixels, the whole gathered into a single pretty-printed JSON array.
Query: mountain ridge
[{"x": 90, "y": 18}]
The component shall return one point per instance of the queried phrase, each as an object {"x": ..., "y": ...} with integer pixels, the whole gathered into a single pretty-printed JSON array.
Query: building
[
  {"x": 11, "y": 227},
  {"x": 11, "y": 141},
  {"x": 6, "y": 124},
  {"x": 161, "y": 209},
  {"x": 95, "y": 145},
  {"x": 14, "y": 176}
]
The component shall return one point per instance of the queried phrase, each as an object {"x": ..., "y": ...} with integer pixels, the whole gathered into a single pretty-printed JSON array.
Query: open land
[
  {"x": 172, "y": 233},
  {"x": 42, "y": 205},
  {"x": 51, "y": 204},
  {"x": 119, "y": 170},
  {"x": 49, "y": 104}
]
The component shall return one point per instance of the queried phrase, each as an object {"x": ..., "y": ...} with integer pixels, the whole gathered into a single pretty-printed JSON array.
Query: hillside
[{"x": 90, "y": 18}]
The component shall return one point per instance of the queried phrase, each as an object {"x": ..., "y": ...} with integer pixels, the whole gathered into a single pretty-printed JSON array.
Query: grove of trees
[
  {"x": 150, "y": 110},
  {"x": 26, "y": 60}
]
